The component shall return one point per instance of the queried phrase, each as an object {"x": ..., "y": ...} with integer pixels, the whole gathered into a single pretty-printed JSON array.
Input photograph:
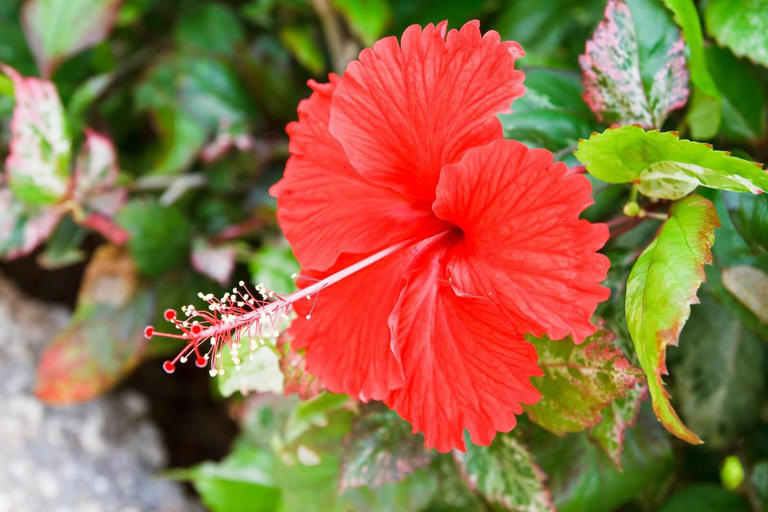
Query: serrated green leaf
[
  {"x": 579, "y": 381},
  {"x": 617, "y": 417},
  {"x": 37, "y": 168},
  {"x": 664, "y": 166},
  {"x": 241, "y": 482},
  {"x": 506, "y": 474},
  {"x": 57, "y": 29},
  {"x": 583, "y": 479},
  {"x": 719, "y": 377},
  {"x": 741, "y": 25},
  {"x": 366, "y": 18},
  {"x": 634, "y": 65},
  {"x": 661, "y": 287},
  {"x": 159, "y": 236},
  {"x": 552, "y": 113},
  {"x": 380, "y": 449}
]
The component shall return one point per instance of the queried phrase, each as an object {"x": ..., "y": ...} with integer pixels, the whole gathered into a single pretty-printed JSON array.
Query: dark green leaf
[
  {"x": 211, "y": 27},
  {"x": 759, "y": 480},
  {"x": 583, "y": 479},
  {"x": 159, "y": 236},
  {"x": 751, "y": 220},
  {"x": 719, "y": 377},
  {"x": 551, "y": 114},
  {"x": 579, "y": 381},
  {"x": 63, "y": 246},
  {"x": 302, "y": 41},
  {"x": 660, "y": 290},
  {"x": 506, "y": 474},
  {"x": 704, "y": 498}
]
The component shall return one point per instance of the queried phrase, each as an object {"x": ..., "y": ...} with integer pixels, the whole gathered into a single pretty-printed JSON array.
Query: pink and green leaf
[
  {"x": 380, "y": 449},
  {"x": 579, "y": 381},
  {"x": 23, "y": 227},
  {"x": 295, "y": 377},
  {"x": 57, "y": 29},
  {"x": 104, "y": 340},
  {"x": 214, "y": 261},
  {"x": 660, "y": 290},
  {"x": 37, "y": 168},
  {"x": 664, "y": 166},
  {"x": 633, "y": 74},
  {"x": 621, "y": 414},
  {"x": 95, "y": 176},
  {"x": 506, "y": 475}
]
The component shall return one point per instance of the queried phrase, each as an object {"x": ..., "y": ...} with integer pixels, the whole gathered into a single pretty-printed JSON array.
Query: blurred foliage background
[{"x": 195, "y": 96}]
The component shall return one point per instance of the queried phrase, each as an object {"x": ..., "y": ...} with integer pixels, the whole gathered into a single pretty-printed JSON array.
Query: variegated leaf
[
  {"x": 37, "y": 168},
  {"x": 214, "y": 261},
  {"x": 95, "y": 176},
  {"x": 23, "y": 227},
  {"x": 634, "y": 66},
  {"x": 622, "y": 413}
]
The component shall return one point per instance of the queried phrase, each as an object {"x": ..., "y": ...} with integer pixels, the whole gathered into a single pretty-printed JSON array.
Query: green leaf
[
  {"x": 582, "y": 479},
  {"x": 241, "y": 482},
  {"x": 579, "y": 381},
  {"x": 704, "y": 498},
  {"x": 302, "y": 42},
  {"x": 741, "y": 25},
  {"x": 661, "y": 287},
  {"x": 63, "y": 246},
  {"x": 104, "y": 340},
  {"x": 719, "y": 377},
  {"x": 57, "y": 29},
  {"x": 634, "y": 66},
  {"x": 751, "y": 220},
  {"x": 551, "y": 114},
  {"x": 366, "y": 18},
  {"x": 759, "y": 480},
  {"x": 743, "y": 96},
  {"x": 209, "y": 27},
  {"x": 687, "y": 17},
  {"x": 665, "y": 166},
  {"x": 313, "y": 413},
  {"x": 506, "y": 474},
  {"x": 621, "y": 414},
  {"x": 83, "y": 98},
  {"x": 273, "y": 265},
  {"x": 159, "y": 236},
  {"x": 380, "y": 449},
  {"x": 705, "y": 115},
  {"x": 23, "y": 227},
  {"x": 37, "y": 168}
]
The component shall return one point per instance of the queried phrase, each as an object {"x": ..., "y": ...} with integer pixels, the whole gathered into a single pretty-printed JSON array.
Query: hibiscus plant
[{"x": 450, "y": 282}]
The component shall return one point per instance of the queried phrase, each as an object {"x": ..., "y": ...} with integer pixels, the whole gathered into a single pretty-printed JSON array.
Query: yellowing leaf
[
  {"x": 579, "y": 381},
  {"x": 660, "y": 290},
  {"x": 664, "y": 166},
  {"x": 37, "y": 168}
]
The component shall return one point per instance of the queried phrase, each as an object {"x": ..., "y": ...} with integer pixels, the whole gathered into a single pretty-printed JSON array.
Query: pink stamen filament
[{"x": 240, "y": 312}]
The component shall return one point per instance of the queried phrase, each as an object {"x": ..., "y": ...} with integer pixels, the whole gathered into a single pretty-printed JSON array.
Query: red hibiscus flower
[{"x": 441, "y": 243}]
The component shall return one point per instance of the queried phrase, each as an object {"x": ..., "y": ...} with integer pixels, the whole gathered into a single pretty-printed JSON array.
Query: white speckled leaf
[
  {"x": 506, "y": 475},
  {"x": 634, "y": 68},
  {"x": 37, "y": 167},
  {"x": 621, "y": 414},
  {"x": 95, "y": 175},
  {"x": 23, "y": 227}
]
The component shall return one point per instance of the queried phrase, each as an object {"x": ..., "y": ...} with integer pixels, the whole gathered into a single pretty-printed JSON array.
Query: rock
[{"x": 101, "y": 456}]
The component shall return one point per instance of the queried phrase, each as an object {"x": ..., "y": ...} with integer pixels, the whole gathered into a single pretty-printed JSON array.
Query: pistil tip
[
  {"x": 149, "y": 331},
  {"x": 169, "y": 367}
]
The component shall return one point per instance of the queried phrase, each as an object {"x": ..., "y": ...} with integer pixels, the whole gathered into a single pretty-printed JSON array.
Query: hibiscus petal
[
  {"x": 347, "y": 337},
  {"x": 524, "y": 245},
  {"x": 325, "y": 207},
  {"x": 402, "y": 112},
  {"x": 465, "y": 368}
]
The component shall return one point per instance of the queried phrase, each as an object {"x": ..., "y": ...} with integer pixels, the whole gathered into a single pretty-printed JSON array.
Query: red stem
[{"x": 107, "y": 228}]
